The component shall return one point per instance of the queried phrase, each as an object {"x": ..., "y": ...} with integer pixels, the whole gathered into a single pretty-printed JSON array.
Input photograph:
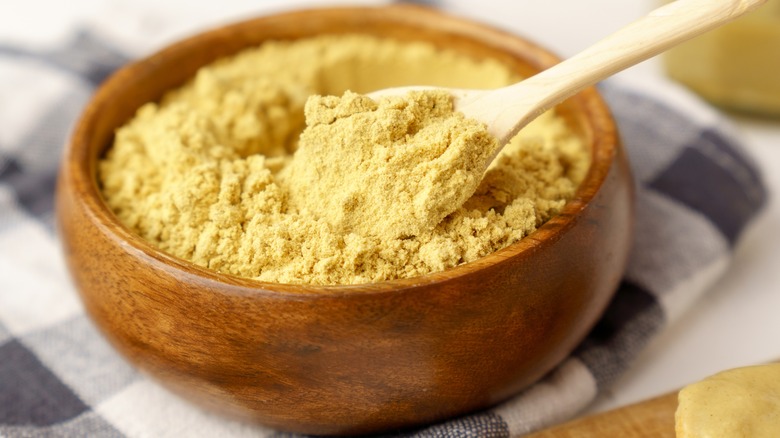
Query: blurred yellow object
[{"x": 736, "y": 66}]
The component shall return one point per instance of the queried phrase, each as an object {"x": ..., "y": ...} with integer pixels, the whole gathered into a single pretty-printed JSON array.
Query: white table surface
[{"x": 736, "y": 323}]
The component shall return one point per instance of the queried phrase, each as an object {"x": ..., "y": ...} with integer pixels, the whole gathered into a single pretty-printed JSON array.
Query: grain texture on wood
[
  {"x": 651, "y": 418},
  {"x": 346, "y": 359}
]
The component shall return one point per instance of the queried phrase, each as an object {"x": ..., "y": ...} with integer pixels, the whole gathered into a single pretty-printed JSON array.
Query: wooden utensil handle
[{"x": 663, "y": 28}]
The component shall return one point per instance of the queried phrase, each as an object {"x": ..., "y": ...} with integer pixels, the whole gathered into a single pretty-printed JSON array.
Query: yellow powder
[
  {"x": 211, "y": 173},
  {"x": 409, "y": 162}
]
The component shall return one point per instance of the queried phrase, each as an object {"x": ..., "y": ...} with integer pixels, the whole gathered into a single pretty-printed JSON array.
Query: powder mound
[
  {"x": 207, "y": 174},
  {"x": 389, "y": 169}
]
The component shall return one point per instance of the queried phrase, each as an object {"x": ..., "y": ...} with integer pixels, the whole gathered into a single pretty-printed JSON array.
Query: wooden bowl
[{"x": 346, "y": 359}]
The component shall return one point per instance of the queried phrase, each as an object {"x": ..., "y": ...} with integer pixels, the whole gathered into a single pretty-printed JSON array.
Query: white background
[{"x": 738, "y": 320}]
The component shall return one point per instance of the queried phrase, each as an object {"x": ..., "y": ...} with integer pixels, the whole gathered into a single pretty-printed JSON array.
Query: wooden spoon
[{"x": 506, "y": 110}]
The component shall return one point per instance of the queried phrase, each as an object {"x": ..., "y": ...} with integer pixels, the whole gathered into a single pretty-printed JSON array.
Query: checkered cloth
[{"x": 696, "y": 190}]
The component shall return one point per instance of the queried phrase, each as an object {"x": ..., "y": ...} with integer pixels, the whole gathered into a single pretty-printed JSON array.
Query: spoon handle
[{"x": 514, "y": 106}]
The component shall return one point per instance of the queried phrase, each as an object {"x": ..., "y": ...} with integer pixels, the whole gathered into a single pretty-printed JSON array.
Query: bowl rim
[{"x": 81, "y": 169}]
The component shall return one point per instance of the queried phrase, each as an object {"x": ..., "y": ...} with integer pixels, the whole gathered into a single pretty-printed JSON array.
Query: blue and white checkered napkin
[{"x": 696, "y": 188}]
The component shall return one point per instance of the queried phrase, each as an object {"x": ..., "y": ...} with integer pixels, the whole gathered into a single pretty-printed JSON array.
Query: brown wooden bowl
[{"x": 346, "y": 359}]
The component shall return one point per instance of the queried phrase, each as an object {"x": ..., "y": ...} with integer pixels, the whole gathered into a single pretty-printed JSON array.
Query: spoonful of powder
[{"x": 390, "y": 168}]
